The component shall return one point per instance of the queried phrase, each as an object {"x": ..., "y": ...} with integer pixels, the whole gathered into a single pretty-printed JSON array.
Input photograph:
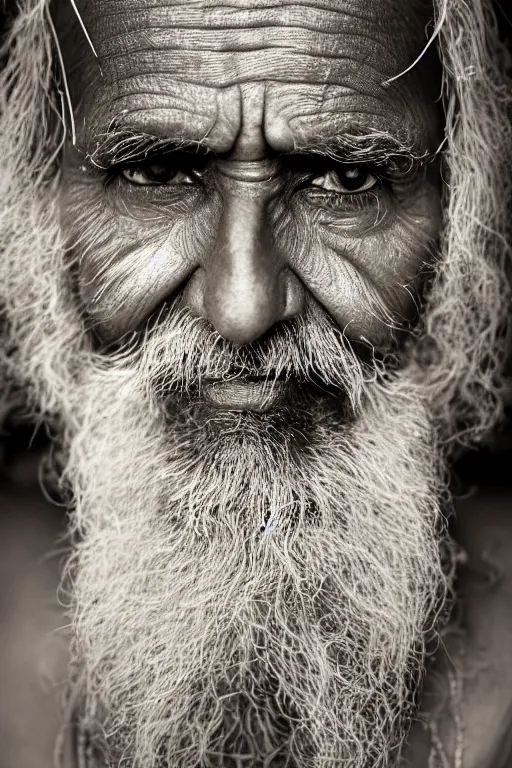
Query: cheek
[
  {"x": 366, "y": 267},
  {"x": 129, "y": 257}
]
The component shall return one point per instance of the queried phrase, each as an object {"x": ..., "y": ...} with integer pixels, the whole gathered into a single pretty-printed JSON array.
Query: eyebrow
[
  {"x": 376, "y": 148},
  {"x": 118, "y": 146}
]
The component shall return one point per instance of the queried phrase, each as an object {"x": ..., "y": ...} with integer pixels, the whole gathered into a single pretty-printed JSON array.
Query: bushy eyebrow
[
  {"x": 376, "y": 148},
  {"x": 117, "y": 147}
]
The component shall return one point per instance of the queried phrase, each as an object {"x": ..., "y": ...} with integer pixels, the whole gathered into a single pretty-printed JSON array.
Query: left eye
[
  {"x": 156, "y": 174},
  {"x": 349, "y": 180}
]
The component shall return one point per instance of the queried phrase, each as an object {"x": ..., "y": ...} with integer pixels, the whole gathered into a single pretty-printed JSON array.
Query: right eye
[{"x": 157, "y": 173}]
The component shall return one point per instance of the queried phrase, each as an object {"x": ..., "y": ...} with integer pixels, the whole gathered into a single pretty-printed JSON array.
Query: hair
[{"x": 470, "y": 299}]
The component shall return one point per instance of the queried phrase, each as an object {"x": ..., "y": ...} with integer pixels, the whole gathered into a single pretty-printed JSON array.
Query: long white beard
[{"x": 247, "y": 594}]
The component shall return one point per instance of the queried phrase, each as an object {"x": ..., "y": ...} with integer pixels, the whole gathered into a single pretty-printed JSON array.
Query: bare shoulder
[{"x": 33, "y": 649}]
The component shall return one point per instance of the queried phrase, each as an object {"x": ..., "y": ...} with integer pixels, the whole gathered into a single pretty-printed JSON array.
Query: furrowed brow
[
  {"x": 376, "y": 148},
  {"x": 120, "y": 146}
]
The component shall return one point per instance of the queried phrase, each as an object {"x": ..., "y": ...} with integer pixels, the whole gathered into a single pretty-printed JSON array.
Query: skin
[{"x": 258, "y": 227}]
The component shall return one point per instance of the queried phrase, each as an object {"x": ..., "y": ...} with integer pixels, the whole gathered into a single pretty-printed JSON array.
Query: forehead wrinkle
[
  {"x": 299, "y": 38},
  {"x": 355, "y": 20},
  {"x": 216, "y": 125},
  {"x": 153, "y": 55},
  {"x": 156, "y": 30},
  {"x": 357, "y": 67},
  {"x": 221, "y": 70},
  {"x": 312, "y": 131},
  {"x": 133, "y": 74},
  {"x": 149, "y": 106},
  {"x": 223, "y": 15}
]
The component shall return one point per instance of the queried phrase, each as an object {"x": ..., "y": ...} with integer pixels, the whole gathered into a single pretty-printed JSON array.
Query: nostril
[
  {"x": 295, "y": 297},
  {"x": 194, "y": 293},
  {"x": 244, "y": 313},
  {"x": 240, "y": 328}
]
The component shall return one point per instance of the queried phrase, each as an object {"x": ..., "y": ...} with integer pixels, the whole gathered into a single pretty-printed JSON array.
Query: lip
[{"x": 244, "y": 394}]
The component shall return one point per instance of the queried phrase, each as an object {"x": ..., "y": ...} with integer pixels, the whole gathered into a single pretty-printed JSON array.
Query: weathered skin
[{"x": 252, "y": 81}]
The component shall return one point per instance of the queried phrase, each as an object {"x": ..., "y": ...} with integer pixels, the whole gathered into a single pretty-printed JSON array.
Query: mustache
[{"x": 178, "y": 353}]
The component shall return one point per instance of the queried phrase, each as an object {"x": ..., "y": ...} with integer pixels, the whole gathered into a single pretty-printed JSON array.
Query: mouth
[{"x": 247, "y": 393}]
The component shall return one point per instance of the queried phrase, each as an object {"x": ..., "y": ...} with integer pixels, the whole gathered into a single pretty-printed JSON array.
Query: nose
[{"x": 244, "y": 286}]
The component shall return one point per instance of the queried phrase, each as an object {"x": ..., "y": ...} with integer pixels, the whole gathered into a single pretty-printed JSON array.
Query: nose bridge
[
  {"x": 243, "y": 287},
  {"x": 255, "y": 176},
  {"x": 244, "y": 233},
  {"x": 244, "y": 293}
]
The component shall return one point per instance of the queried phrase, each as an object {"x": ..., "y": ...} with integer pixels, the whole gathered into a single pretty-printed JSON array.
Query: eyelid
[
  {"x": 178, "y": 161},
  {"x": 392, "y": 168},
  {"x": 374, "y": 181},
  {"x": 188, "y": 178}
]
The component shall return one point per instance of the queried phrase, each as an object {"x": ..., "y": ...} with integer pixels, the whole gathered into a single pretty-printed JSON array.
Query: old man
[{"x": 253, "y": 278}]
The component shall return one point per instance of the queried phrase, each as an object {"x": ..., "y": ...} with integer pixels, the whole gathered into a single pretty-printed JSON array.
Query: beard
[{"x": 252, "y": 589}]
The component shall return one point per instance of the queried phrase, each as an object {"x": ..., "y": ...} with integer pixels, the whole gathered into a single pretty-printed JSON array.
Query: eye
[
  {"x": 157, "y": 173},
  {"x": 350, "y": 179}
]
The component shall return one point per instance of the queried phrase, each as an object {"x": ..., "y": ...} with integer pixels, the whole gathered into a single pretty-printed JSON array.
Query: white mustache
[{"x": 182, "y": 353}]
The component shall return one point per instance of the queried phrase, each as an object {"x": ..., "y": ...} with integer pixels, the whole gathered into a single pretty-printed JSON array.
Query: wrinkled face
[{"x": 251, "y": 159}]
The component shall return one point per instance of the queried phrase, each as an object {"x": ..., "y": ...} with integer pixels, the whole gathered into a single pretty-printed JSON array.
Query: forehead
[{"x": 179, "y": 68}]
